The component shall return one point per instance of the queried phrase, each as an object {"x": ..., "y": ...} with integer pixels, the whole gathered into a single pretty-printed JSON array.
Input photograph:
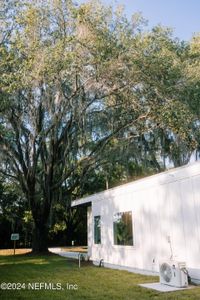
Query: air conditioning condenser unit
[{"x": 173, "y": 273}]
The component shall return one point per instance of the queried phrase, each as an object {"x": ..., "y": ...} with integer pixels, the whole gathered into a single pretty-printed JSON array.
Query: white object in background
[{"x": 173, "y": 273}]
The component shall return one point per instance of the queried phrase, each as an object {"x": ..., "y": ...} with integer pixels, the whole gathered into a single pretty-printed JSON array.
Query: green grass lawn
[{"x": 89, "y": 282}]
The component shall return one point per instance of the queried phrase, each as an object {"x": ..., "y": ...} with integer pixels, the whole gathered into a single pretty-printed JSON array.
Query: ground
[{"x": 54, "y": 277}]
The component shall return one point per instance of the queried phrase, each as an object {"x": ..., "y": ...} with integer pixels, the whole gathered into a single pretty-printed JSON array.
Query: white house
[{"x": 137, "y": 225}]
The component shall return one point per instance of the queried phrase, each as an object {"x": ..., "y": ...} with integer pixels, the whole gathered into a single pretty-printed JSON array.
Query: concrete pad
[
  {"x": 74, "y": 255},
  {"x": 163, "y": 287}
]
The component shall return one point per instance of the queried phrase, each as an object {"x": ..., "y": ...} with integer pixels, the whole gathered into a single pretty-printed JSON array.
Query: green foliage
[
  {"x": 80, "y": 84},
  {"x": 12, "y": 209},
  {"x": 59, "y": 227}
]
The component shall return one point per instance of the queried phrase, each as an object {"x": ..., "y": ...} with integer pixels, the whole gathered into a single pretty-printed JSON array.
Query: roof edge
[{"x": 88, "y": 199}]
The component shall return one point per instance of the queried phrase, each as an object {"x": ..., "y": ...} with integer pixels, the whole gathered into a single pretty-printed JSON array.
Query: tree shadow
[{"x": 166, "y": 221}]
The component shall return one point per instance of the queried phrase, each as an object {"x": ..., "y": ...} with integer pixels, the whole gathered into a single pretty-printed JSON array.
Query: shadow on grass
[
  {"x": 93, "y": 283},
  {"x": 33, "y": 260}
]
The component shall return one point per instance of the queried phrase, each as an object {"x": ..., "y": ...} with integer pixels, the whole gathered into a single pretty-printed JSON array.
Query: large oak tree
[{"x": 74, "y": 80}]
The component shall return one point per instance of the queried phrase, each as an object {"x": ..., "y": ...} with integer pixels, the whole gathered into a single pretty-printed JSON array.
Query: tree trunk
[
  {"x": 40, "y": 238},
  {"x": 69, "y": 234},
  {"x": 40, "y": 213}
]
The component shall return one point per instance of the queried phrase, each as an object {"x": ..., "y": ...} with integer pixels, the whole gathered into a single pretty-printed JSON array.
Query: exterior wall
[
  {"x": 163, "y": 206},
  {"x": 89, "y": 230}
]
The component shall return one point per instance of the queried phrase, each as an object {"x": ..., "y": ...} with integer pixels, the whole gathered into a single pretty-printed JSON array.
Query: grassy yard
[{"x": 88, "y": 282}]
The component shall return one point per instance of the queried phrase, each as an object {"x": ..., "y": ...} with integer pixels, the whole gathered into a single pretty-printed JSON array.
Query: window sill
[{"x": 124, "y": 247}]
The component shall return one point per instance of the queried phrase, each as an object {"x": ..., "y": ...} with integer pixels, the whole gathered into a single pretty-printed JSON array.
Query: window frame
[
  {"x": 127, "y": 243},
  {"x": 96, "y": 240}
]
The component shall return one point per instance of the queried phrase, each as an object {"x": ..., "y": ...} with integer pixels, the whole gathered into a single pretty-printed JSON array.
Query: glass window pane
[
  {"x": 123, "y": 229},
  {"x": 97, "y": 230}
]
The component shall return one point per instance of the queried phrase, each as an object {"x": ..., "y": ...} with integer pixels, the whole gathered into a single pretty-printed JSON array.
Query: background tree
[
  {"x": 12, "y": 210},
  {"x": 75, "y": 80},
  {"x": 191, "y": 92}
]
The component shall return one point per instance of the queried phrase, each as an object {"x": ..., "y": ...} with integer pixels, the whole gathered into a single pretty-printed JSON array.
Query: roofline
[
  {"x": 79, "y": 202},
  {"x": 88, "y": 199}
]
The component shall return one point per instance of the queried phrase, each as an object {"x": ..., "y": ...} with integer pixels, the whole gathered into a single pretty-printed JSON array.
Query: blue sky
[{"x": 182, "y": 15}]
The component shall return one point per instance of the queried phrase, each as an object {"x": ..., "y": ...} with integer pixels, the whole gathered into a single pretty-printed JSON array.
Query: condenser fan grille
[{"x": 166, "y": 272}]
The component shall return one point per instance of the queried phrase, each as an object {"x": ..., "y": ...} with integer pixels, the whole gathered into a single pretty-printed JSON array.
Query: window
[
  {"x": 97, "y": 230},
  {"x": 123, "y": 229}
]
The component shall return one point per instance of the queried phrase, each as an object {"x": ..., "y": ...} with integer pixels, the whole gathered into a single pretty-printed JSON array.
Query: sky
[{"x": 181, "y": 15}]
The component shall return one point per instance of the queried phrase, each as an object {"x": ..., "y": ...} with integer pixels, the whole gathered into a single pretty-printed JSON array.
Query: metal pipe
[
  {"x": 101, "y": 263},
  {"x": 79, "y": 259}
]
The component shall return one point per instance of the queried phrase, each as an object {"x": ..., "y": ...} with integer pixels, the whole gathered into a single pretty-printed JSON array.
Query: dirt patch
[
  {"x": 11, "y": 251},
  {"x": 81, "y": 249}
]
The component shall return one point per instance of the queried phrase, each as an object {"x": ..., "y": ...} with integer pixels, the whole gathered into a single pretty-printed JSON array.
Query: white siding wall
[
  {"x": 89, "y": 230},
  {"x": 162, "y": 206}
]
